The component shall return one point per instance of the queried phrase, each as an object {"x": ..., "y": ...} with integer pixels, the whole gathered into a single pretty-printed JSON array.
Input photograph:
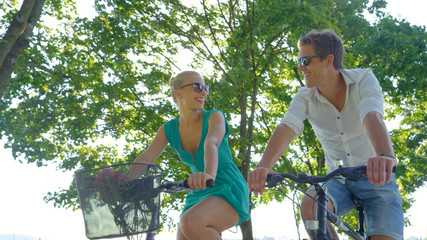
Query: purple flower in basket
[{"x": 109, "y": 183}]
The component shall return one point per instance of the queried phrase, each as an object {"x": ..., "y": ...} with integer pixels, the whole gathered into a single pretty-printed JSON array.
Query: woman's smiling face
[{"x": 189, "y": 97}]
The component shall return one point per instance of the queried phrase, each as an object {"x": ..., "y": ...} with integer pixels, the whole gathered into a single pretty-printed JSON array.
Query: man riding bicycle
[{"x": 345, "y": 109}]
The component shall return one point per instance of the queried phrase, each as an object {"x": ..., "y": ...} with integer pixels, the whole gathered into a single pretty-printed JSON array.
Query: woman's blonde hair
[{"x": 177, "y": 81}]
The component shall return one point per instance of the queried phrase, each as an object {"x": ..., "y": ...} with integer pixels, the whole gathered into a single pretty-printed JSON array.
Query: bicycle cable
[
  {"x": 294, "y": 202},
  {"x": 297, "y": 189}
]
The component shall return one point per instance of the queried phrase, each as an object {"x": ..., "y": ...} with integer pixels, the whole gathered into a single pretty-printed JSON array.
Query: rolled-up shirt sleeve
[
  {"x": 371, "y": 97},
  {"x": 296, "y": 114}
]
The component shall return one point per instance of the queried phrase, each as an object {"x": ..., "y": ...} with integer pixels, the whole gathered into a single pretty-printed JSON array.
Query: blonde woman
[{"x": 200, "y": 139}]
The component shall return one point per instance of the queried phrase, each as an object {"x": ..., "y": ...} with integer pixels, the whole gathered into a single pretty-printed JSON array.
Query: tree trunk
[
  {"x": 15, "y": 40},
  {"x": 246, "y": 228}
]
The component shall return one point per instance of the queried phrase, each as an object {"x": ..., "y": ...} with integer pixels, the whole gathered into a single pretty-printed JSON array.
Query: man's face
[{"x": 312, "y": 68}]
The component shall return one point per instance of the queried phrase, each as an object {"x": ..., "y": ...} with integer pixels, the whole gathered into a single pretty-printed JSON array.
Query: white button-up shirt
[{"x": 341, "y": 134}]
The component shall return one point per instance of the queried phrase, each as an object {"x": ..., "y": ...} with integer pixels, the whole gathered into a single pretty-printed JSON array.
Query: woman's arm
[
  {"x": 213, "y": 139},
  {"x": 156, "y": 147}
]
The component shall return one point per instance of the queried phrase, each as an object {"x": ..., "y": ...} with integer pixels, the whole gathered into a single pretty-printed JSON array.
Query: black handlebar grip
[
  {"x": 209, "y": 183},
  {"x": 393, "y": 170}
]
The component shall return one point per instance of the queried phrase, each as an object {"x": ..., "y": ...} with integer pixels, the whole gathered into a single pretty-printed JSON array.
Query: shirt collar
[
  {"x": 348, "y": 81},
  {"x": 350, "y": 77},
  {"x": 319, "y": 96},
  {"x": 346, "y": 77}
]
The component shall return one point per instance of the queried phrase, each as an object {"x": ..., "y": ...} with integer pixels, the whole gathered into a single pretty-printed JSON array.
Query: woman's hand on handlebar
[
  {"x": 257, "y": 179},
  {"x": 197, "y": 180}
]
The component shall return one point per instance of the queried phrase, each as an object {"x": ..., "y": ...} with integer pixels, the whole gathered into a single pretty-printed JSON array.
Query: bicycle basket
[{"x": 113, "y": 205}]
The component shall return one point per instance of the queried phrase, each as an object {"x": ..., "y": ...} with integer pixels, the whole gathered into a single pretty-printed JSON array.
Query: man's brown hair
[{"x": 325, "y": 42}]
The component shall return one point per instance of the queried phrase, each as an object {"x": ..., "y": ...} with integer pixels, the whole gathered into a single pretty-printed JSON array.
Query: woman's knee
[
  {"x": 180, "y": 235},
  {"x": 212, "y": 215},
  {"x": 189, "y": 222}
]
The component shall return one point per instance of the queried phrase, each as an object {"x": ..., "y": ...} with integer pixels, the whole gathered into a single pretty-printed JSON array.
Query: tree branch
[
  {"x": 213, "y": 35},
  {"x": 224, "y": 17},
  {"x": 167, "y": 58},
  {"x": 210, "y": 54},
  {"x": 272, "y": 53},
  {"x": 263, "y": 119},
  {"x": 41, "y": 67}
]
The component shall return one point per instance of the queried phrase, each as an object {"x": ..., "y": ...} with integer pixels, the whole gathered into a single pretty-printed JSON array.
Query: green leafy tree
[
  {"x": 105, "y": 79},
  {"x": 396, "y": 51}
]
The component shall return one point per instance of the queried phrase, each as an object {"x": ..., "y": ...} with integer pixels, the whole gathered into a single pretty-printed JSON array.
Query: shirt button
[
  {"x": 348, "y": 154},
  {"x": 338, "y": 118},
  {"x": 342, "y": 133}
]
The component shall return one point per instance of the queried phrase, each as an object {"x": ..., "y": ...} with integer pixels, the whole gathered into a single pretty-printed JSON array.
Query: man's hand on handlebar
[
  {"x": 257, "y": 179},
  {"x": 379, "y": 169}
]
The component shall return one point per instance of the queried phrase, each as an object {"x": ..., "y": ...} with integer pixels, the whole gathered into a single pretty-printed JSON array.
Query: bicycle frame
[
  {"x": 324, "y": 215},
  {"x": 319, "y": 226}
]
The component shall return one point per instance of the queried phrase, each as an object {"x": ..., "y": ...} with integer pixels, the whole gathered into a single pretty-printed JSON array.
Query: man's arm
[
  {"x": 277, "y": 145},
  {"x": 379, "y": 137}
]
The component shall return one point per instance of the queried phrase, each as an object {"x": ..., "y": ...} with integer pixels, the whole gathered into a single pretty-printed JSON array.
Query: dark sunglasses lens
[
  {"x": 304, "y": 61},
  {"x": 197, "y": 87}
]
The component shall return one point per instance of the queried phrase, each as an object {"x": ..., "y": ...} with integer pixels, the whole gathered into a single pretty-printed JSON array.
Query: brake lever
[
  {"x": 273, "y": 180},
  {"x": 353, "y": 174}
]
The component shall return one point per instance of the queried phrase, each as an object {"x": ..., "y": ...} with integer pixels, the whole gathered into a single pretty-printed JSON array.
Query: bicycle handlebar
[
  {"x": 350, "y": 173},
  {"x": 181, "y": 186}
]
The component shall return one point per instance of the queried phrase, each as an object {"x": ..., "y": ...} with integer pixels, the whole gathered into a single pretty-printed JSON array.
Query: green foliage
[
  {"x": 93, "y": 82},
  {"x": 396, "y": 51}
]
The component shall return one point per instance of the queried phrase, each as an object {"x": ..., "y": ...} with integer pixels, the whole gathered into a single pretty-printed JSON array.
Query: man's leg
[{"x": 383, "y": 208}]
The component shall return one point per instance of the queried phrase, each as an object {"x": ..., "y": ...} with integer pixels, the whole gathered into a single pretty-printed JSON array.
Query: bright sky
[{"x": 23, "y": 186}]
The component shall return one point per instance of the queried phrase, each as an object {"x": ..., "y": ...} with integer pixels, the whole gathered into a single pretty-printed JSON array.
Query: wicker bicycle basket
[{"x": 116, "y": 205}]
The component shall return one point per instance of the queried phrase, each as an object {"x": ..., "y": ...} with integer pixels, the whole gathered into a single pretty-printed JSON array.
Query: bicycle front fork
[
  {"x": 150, "y": 236},
  {"x": 319, "y": 228}
]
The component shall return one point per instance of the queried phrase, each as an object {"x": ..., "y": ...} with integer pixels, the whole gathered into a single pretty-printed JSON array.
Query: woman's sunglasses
[
  {"x": 306, "y": 60},
  {"x": 198, "y": 87}
]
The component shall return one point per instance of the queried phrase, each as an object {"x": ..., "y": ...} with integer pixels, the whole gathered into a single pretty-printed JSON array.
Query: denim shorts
[{"x": 382, "y": 205}]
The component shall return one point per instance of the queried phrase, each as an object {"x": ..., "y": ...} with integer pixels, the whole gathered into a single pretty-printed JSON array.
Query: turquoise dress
[{"x": 229, "y": 183}]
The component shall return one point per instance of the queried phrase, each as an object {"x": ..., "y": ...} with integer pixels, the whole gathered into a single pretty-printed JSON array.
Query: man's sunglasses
[
  {"x": 198, "y": 87},
  {"x": 306, "y": 60}
]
